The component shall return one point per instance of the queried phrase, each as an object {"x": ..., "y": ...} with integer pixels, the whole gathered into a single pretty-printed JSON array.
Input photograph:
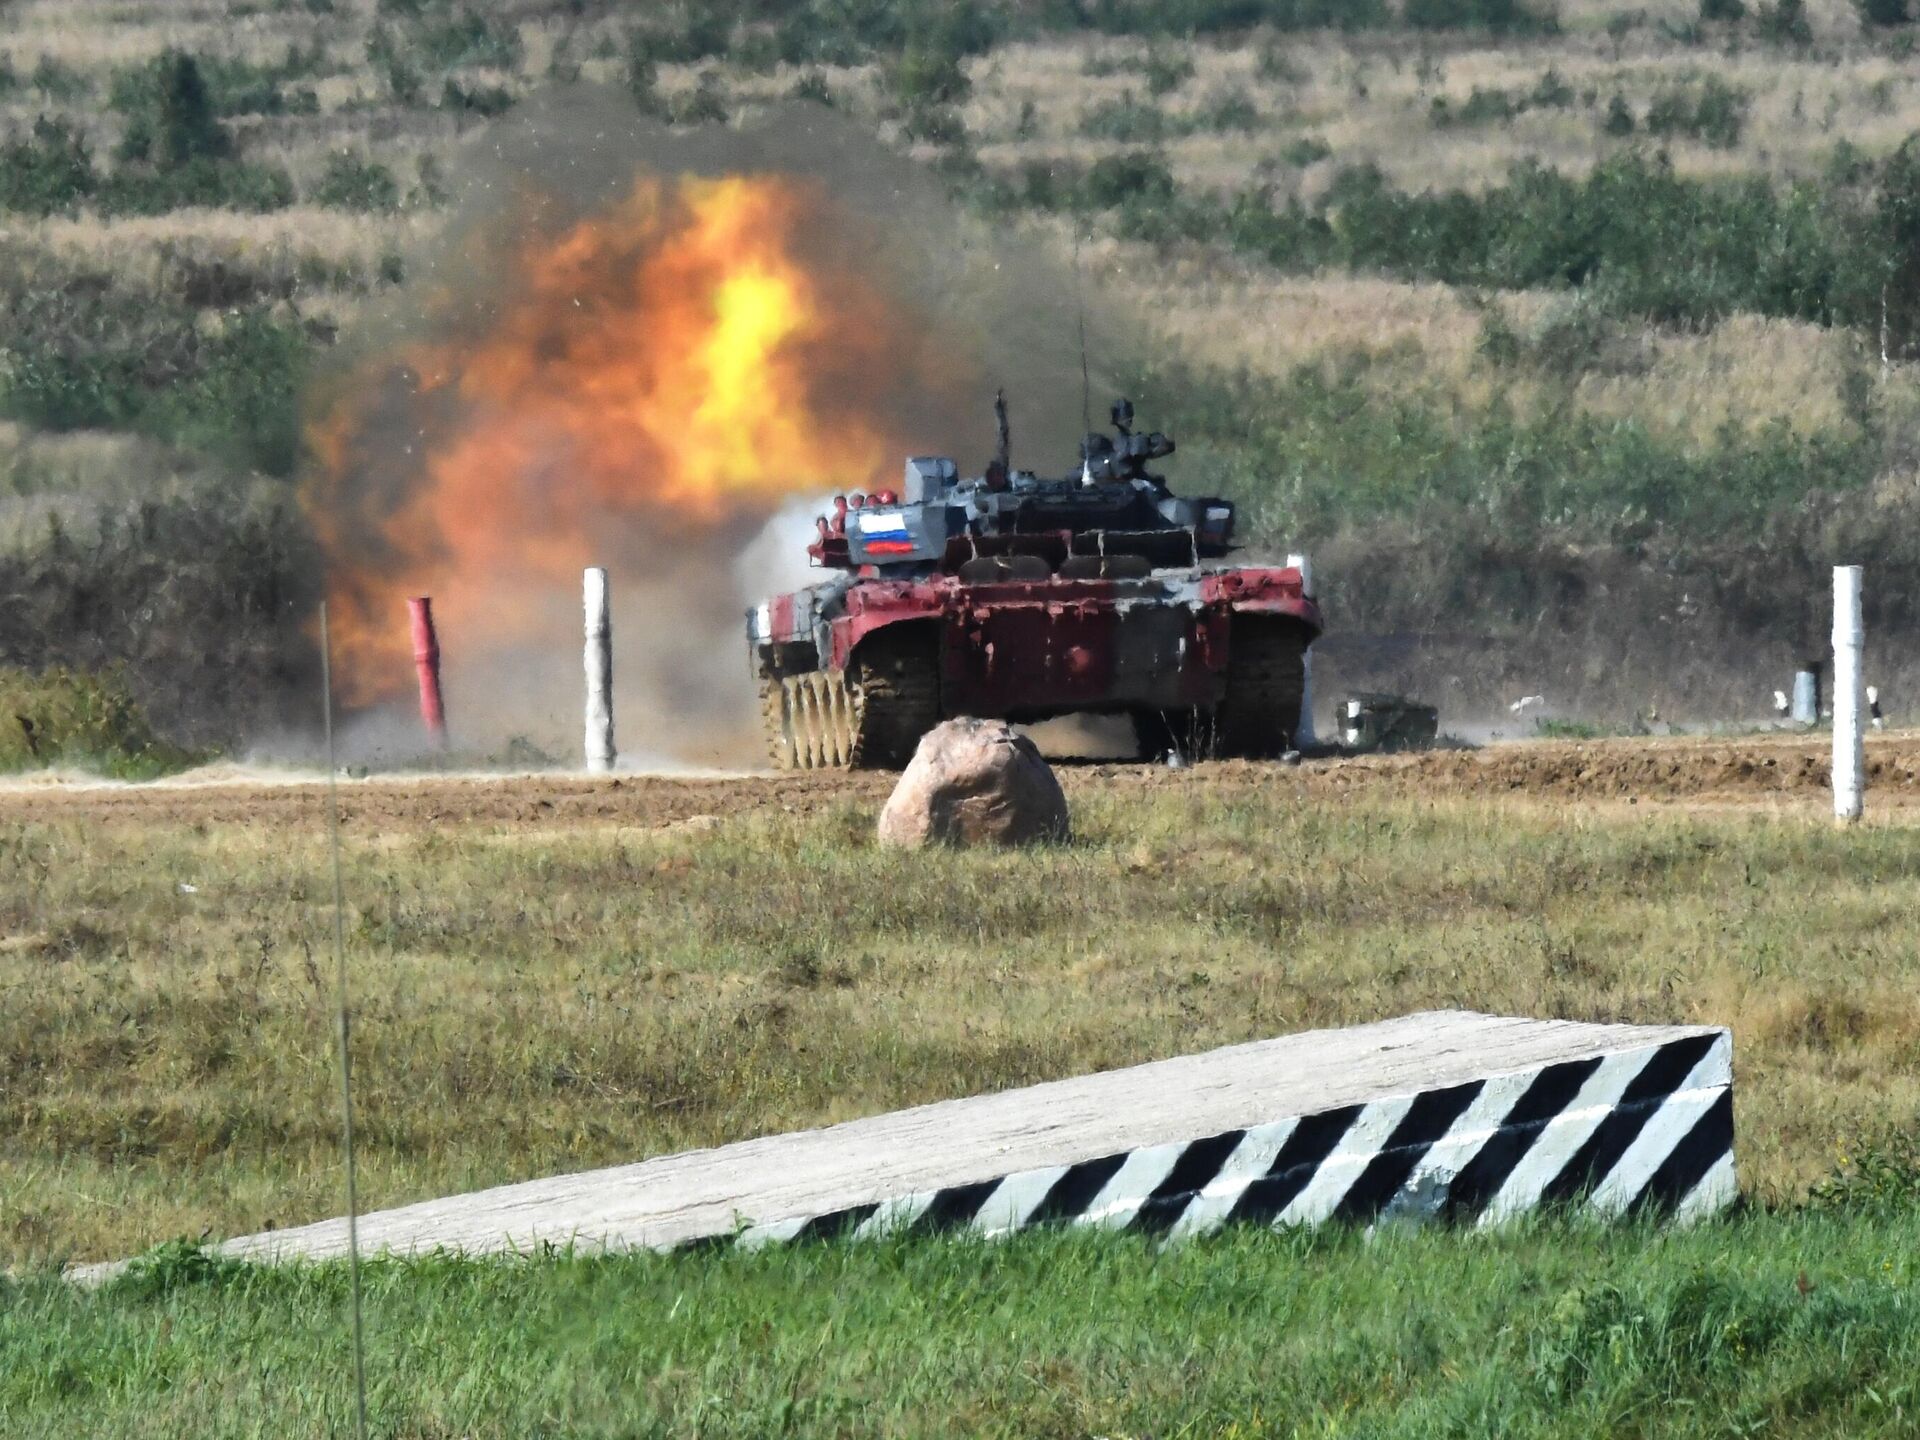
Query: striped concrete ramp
[{"x": 1443, "y": 1114}]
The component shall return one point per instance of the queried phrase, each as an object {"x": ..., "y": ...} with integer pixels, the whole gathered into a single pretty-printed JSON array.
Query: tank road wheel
[
  {"x": 895, "y": 699},
  {"x": 1265, "y": 682},
  {"x": 810, "y": 721},
  {"x": 776, "y": 714},
  {"x": 818, "y": 721}
]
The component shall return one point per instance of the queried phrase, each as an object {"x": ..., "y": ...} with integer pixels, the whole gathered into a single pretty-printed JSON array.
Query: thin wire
[
  {"x": 342, "y": 1027},
  {"x": 1080, "y": 307}
]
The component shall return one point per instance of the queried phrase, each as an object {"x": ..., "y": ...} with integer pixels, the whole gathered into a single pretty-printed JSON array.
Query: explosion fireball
[{"x": 639, "y": 387}]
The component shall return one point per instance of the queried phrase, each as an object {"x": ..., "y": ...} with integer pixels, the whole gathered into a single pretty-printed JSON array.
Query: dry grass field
[
  {"x": 556, "y": 973},
  {"x": 1365, "y": 98}
]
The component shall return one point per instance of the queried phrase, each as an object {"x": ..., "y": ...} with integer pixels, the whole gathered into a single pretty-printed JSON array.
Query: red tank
[{"x": 1025, "y": 598}]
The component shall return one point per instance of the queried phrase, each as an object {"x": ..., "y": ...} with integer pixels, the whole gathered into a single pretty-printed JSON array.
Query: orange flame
[{"x": 653, "y": 372}]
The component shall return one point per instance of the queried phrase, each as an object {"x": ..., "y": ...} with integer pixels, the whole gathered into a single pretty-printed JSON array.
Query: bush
[
  {"x": 467, "y": 38},
  {"x": 1307, "y": 150},
  {"x": 57, "y": 82},
  {"x": 1882, "y": 13},
  {"x": 643, "y": 80},
  {"x": 1127, "y": 178},
  {"x": 195, "y": 601},
  {"x": 1714, "y": 115},
  {"x": 384, "y": 55},
  {"x": 1127, "y": 120},
  {"x": 1652, "y": 243},
  {"x": 63, "y": 718},
  {"x": 1784, "y": 22},
  {"x": 923, "y": 77},
  {"x": 704, "y": 105},
  {"x": 1497, "y": 17},
  {"x": 171, "y": 120},
  {"x": 1167, "y": 72},
  {"x": 813, "y": 86},
  {"x": 683, "y": 33},
  {"x": 46, "y": 172},
  {"x": 1619, "y": 119},
  {"x": 1482, "y": 107},
  {"x": 80, "y": 359},
  {"x": 232, "y": 86},
  {"x": 483, "y": 100},
  {"x": 212, "y": 184},
  {"x": 1879, "y": 1177},
  {"x": 1229, "y": 110},
  {"x": 353, "y": 182},
  {"x": 1327, "y": 448},
  {"x": 1727, "y": 11}
]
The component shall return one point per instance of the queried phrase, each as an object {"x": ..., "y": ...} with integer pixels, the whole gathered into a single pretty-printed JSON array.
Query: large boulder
[{"x": 975, "y": 782}]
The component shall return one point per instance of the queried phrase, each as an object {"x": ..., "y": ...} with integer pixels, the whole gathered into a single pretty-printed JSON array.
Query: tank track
[
  {"x": 1266, "y": 680},
  {"x": 818, "y": 721}
]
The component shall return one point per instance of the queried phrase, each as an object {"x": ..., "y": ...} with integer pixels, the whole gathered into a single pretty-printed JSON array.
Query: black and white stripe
[{"x": 1635, "y": 1132}]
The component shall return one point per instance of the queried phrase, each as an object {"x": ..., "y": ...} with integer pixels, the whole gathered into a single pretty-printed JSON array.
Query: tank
[{"x": 1021, "y": 597}]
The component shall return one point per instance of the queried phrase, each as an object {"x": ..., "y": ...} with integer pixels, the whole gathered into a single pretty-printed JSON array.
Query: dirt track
[{"x": 1760, "y": 769}]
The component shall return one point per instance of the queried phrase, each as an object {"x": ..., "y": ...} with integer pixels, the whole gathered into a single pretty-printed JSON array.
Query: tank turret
[{"x": 1113, "y": 506}]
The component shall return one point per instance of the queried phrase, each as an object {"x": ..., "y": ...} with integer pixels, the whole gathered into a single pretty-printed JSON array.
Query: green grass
[
  {"x": 542, "y": 996},
  {"x": 1764, "y": 1324}
]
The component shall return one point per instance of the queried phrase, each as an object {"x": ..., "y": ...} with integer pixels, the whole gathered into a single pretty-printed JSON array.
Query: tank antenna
[{"x": 1080, "y": 308}]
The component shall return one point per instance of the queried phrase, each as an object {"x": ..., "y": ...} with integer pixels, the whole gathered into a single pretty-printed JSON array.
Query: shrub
[
  {"x": 1479, "y": 108},
  {"x": 1882, "y": 13},
  {"x": 1127, "y": 120},
  {"x": 203, "y": 182},
  {"x": 1167, "y": 72},
  {"x": 483, "y": 100},
  {"x": 1619, "y": 119},
  {"x": 467, "y": 38},
  {"x": 813, "y": 86},
  {"x": 232, "y": 86},
  {"x": 79, "y": 359},
  {"x": 196, "y": 600},
  {"x": 63, "y": 718},
  {"x": 643, "y": 80},
  {"x": 1655, "y": 244},
  {"x": 1306, "y": 150},
  {"x": 1131, "y": 176},
  {"x": 1498, "y": 17},
  {"x": 1482, "y": 107},
  {"x": 1879, "y": 1177},
  {"x": 384, "y": 55},
  {"x": 1727, "y": 11},
  {"x": 353, "y": 182},
  {"x": 1551, "y": 91},
  {"x": 704, "y": 105},
  {"x": 1784, "y": 22},
  {"x": 46, "y": 171},
  {"x": 171, "y": 120},
  {"x": 58, "y": 82},
  {"x": 683, "y": 33},
  {"x": 1714, "y": 115},
  {"x": 924, "y": 77},
  {"x": 1230, "y": 110}
]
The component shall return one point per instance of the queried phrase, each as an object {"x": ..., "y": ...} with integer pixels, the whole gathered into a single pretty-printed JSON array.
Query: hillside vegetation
[{"x": 1574, "y": 339}]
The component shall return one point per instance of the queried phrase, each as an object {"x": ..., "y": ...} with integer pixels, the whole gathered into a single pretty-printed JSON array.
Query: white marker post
[
  {"x": 599, "y": 657},
  {"x": 1849, "y": 755},
  {"x": 1303, "y": 733}
]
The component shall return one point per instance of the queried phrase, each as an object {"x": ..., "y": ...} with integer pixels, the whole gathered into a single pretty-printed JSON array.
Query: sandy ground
[{"x": 1765, "y": 771}]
